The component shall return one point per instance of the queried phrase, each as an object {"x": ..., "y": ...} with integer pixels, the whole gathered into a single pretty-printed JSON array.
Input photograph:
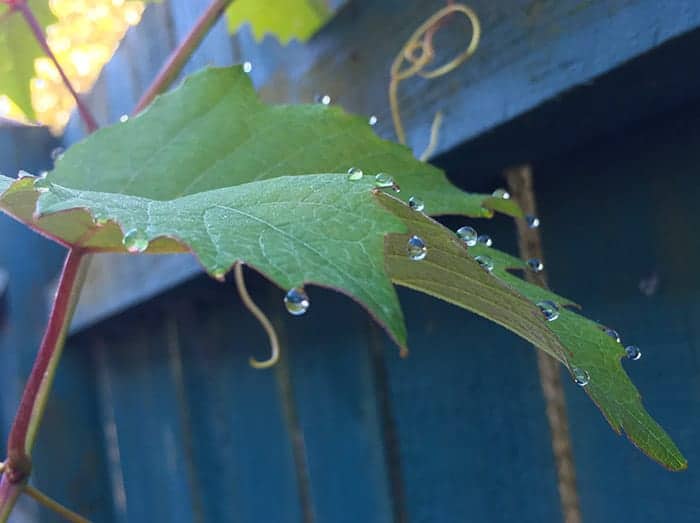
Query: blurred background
[{"x": 156, "y": 414}]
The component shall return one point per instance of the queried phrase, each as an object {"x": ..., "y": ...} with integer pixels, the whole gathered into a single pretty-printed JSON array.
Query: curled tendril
[
  {"x": 417, "y": 53},
  {"x": 261, "y": 317}
]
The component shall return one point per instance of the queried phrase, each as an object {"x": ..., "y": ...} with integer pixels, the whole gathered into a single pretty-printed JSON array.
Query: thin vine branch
[
  {"x": 54, "y": 505},
  {"x": 85, "y": 114},
  {"x": 179, "y": 57},
  {"x": 261, "y": 317}
]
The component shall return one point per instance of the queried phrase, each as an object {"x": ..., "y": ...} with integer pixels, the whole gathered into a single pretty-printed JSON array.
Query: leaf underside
[
  {"x": 285, "y": 19},
  {"x": 18, "y": 49},
  {"x": 210, "y": 170}
]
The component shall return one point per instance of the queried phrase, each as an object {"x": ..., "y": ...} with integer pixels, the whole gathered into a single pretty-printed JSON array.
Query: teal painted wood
[{"x": 69, "y": 462}]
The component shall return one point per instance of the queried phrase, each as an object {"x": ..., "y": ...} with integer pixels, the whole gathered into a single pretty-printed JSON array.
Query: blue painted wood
[{"x": 69, "y": 457}]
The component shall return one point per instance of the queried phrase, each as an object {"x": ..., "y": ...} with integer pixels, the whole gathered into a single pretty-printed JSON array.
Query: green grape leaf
[
  {"x": 18, "y": 49},
  {"x": 214, "y": 132},
  {"x": 286, "y": 19},
  {"x": 451, "y": 273}
]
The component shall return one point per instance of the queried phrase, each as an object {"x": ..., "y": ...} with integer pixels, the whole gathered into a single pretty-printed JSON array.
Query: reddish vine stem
[
  {"x": 178, "y": 58},
  {"x": 17, "y": 467},
  {"x": 85, "y": 114}
]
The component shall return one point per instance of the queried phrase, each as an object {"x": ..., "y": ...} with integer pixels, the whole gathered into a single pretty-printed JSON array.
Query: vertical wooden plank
[
  {"x": 242, "y": 447},
  {"x": 473, "y": 438},
  {"x": 333, "y": 380},
  {"x": 631, "y": 218}
]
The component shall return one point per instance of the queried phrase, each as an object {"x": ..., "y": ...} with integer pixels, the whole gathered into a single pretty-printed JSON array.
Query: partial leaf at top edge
[
  {"x": 213, "y": 132},
  {"x": 450, "y": 272},
  {"x": 285, "y": 19},
  {"x": 18, "y": 49}
]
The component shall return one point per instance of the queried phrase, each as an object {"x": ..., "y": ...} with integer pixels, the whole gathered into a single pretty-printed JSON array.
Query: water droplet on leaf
[
  {"x": 612, "y": 333},
  {"x": 485, "y": 239},
  {"x": 247, "y": 67},
  {"x": 633, "y": 353},
  {"x": 533, "y": 222},
  {"x": 416, "y": 203},
  {"x": 383, "y": 180},
  {"x": 354, "y": 174},
  {"x": 21, "y": 175},
  {"x": 124, "y": 118},
  {"x": 373, "y": 120},
  {"x": 549, "y": 309},
  {"x": 219, "y": 273},
  {"x": 485, "y": 261},
  {"x": 42, "y": 184},
  {"x": 416, "y": 248},
  {"x": 323, "y": 99},
  {"x": 296, "y": 301},
  {"x": 468, "y": 235},
  {"x": 501, "y": 193},
  {"x": 581, "y": 376},
  {"x": 135, "y": 241},
  {"x": 535, "y": 264},
  {"x": 57, "y": 153}
]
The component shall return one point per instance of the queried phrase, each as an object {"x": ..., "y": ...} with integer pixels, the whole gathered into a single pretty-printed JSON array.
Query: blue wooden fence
[{"x": 156, "y": 415}]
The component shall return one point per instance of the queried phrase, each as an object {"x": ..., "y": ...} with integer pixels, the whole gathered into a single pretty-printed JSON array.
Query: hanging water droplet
[
  {"x": 535, "y": 264},
  {"x": 416, "y": 203},
  {"x": 323, "y": 99},
  {"x": 57, "y": 153},
  {"x": 485, "y": 239},
  {"x": 42, "y": 184},
  {"x": 581, "y": 376},
  {"x": 485, "y": 261},
  {"x": 373, "y": 120},
  {"x": 501, "y": 193},
  {"x": 395, "y": 187},
  {"x": 124, "y": 118},
  {"x": 533, "y": 222},
  {"x": 468, "y": 235},
  {"x": 383, "y": 180},
  {"x": 135, "y": 241},
  {"x": 549, "y": 309},
  {"x": 355, "y": 174},
  {"x": 21, "y": 175},
  {"x": 296, "y": 301},
  {"x": 417, "y": 250},
  {"x": 612, "y": 333},
  {"x": 247, "y": 67},
  {"x": 633, "y": 353}
]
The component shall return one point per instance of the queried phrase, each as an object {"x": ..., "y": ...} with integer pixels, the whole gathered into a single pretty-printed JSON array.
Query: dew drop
[
  {"x": 549, "y": 309},
  {"x": 21, "y": 175},
  {"x": 296, "y": 301},
  {"x": 485, "y": 261},
  {"x": 468, "y": 235},
  {"x": 135, "y": 241},
  {"x": 373, "y": 120},
  {"x": 633, "y": 353},
  {"x": 501, "y": 193},
  {"x": 581, "y": 376},
  {"x": 384, "y": 180},
  {"x": 533, "y": 222},
  {"x": 416, "y": 203},
  {"x": 323, "y": 99},
  {"x": 535, "y": 264},
  {"x": 124, "y": 118},
  {"x": 612, "y": 333},
  {"x": 485, "y": 239},
  {"x": 247, "y": 67},
  {"x": 417, "y": 250},
  {"x": 42, "y": 184},
  {"x": 355, "y": 174},
  {"x": 57, "y": 153}
]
